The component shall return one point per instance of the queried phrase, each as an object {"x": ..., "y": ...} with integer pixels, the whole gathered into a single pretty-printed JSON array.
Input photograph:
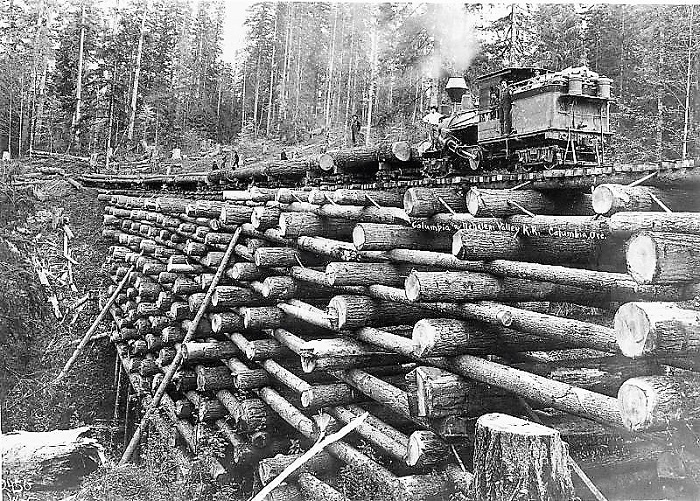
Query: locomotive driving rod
[{"x": 136, "y": 438}]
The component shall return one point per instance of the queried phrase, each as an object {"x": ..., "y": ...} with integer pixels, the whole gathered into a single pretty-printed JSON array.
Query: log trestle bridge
[{"x": 550, "y": 307}]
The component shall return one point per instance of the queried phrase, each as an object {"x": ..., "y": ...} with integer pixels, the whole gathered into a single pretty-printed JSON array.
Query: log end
[
  {"x": 358, "y": 237},
  {"x": 256, "y": 216},
  {"x": 401, "y": 150},
  {"x": 326, "y": 162},
  {"x": 412, "y": 286},
  {"x": 409, "y": 203},
  {"x": 423, "y": 337},
  {"x": 637, "y": 399},
  {"x": 633, "y": 331},
  {"x": 473, "y": 200},
  {"x": 603, "y": 199},
  {"x": 642, "y": 258}
]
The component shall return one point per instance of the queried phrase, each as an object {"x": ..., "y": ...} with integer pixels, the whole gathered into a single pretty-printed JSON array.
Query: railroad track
[{"x": 666, "y": 172}]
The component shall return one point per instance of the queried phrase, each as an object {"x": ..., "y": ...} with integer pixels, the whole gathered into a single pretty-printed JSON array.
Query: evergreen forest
[{"x": 83, "y": 77}]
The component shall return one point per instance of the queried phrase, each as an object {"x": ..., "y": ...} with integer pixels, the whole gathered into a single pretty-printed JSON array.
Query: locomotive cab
[{"x": 527, "y": 118}]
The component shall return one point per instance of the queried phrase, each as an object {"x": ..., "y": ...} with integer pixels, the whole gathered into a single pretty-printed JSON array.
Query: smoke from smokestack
[{"x": 455, "y": 44}]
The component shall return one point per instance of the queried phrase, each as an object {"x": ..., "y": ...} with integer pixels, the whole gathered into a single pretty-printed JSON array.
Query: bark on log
[
  {"x": 230, "y": 295},
  {"x": 440, "y": 393},
  {"x": 519, "y": 460},
  {"x": 498, "y": 203},
  {"x": 657, "y": 329},
  {"x": 214, "y": 378},
  {"x": 602, "y": 375},
  {"x": 361, "y": 214},
  {"x": 369, "y": 236},
  {"x": 469, "y": 286},
  {"x": 362, "y": 197},
  {"x": 363, "y": 159},
  {"x": 298, "y": 224},
  {"x": 425, "y": 448},
  {"x": 49, "y": 460},
  {"x": 235, "y": 214},
  {"x": 246, "y": 271},
  {"x": 249, "y": 413},
  {"x": 658, "y": 402},
  {"x": 264, "y": 317},
  {"x": 611, "y": 198},
  {"x": 488, "y": 245},
  {"x": 212, "y": 350},
  {"x": 264, "y": 218},
  {"x": 317, "y": 490},
  {"x": 365, "y": 274},
  {"x": 663, "y": 258},
  {"x": 425, "y": 202},
  {"x": 320, "y": 464},
  {"x": 226, "y": 322},
  {"x": 383, "y": 436},
  {"x": 624, "y": 224},
  {"x": 448, "y": 337},
  {"x": 349, "y": 312}
]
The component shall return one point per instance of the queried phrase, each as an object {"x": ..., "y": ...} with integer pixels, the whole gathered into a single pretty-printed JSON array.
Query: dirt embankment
[{"x": 35, "y": 343}]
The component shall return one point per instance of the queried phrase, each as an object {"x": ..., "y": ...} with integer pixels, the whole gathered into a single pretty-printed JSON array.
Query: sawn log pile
[{"x": 428, "y": 308}]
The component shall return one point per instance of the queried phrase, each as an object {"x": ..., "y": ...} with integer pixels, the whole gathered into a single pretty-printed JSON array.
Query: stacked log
[{"x": 454, "y": 307}]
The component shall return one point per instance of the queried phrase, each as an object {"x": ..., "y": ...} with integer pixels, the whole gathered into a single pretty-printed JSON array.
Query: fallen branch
[{"x": 315, "y": 449}]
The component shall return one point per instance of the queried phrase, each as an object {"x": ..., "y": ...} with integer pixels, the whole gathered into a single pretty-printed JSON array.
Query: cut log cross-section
[
  {"x": 517, "y": 459},
  {"x": 657, "y": 402},
  {"x": 611, "y": 198},
  {"x": 645, "y": 329},
  {"x": 663, "y": 258}
]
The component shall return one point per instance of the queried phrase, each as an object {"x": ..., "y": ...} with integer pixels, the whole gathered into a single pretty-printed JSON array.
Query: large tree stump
[{"x": 519, "y": 460}]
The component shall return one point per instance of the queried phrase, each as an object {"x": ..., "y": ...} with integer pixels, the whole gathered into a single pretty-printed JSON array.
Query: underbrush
[{"x": 34, "y": 343}]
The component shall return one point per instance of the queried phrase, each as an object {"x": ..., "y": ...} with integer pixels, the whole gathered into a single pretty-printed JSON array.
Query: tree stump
[{"x": 519, "y": 460}]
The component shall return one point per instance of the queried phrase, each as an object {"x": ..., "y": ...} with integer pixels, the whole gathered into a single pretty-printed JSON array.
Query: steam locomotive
[{"x": 527, "y": 119}]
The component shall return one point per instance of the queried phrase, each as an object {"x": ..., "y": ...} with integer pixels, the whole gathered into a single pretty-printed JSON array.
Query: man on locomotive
[{"x": 506, "y": 108}]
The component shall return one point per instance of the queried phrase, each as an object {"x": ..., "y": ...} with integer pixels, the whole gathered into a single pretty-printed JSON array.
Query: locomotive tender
[{"x": 527, "y": 118}]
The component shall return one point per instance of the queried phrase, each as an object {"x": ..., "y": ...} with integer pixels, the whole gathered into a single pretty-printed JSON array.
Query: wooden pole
[
  {"x": 179, "y": 357},
  {"x": 86, "y": 338}
]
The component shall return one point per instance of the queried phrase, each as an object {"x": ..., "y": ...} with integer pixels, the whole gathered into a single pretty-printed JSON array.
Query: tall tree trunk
[
  {"x": 257, "y": 93},
  {"x": 660, "y": 91},
  {"x": 137, "y": 73},
  {"x": 79, "y": 81},
  {"x": 21, "y": 116},
  {"x": 372, "y": 84},
  {"x": 349, "y": 83},
  {"x": 283, "y": 98},
  {"x": 272, "y": 78},
  {"x": 9, "y": 126},
  {"x": 331, "y": 60},
  {"x": 688, "y": 81},
  {"x": 335, "y": 113},
  {"x": 298, "y": 87},
  {"x": 41, "y": 46},
  {"x": 243, "y": 96}
]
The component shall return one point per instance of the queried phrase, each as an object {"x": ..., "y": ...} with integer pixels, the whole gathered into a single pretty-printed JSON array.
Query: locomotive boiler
[{"x": 527, "y": 119}]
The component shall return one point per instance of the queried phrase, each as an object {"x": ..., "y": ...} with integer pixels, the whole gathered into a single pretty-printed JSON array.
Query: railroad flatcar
[{"x": 526, "y": 119}]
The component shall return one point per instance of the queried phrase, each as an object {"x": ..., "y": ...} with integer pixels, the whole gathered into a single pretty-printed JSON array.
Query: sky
[{"x": 234, "y": 31}]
